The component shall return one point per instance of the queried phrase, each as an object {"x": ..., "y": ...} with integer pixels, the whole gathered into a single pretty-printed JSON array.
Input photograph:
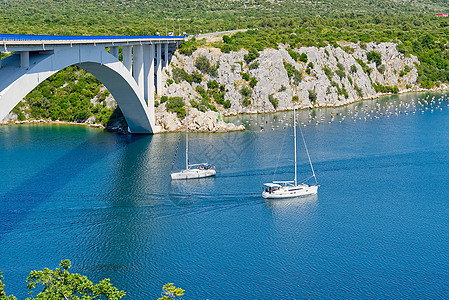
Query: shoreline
[
  {"x": 378, "y": 96},
  {"x": 122, "y": 131}
]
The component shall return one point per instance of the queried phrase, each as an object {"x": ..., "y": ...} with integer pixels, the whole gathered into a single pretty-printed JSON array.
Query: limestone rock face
[
  {"x": 198, "y": 121},
  {"x": 334, "y": 74}
]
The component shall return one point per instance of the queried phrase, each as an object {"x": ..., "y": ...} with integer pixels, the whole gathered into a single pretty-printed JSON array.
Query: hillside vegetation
[
  {"x": 412, "y": 24},
  {"x": 192, "y": 16}
]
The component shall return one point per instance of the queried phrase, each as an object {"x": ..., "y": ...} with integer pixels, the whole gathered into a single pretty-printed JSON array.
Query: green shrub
[
  {"x": 293, "y": 54},
  {"x": 213, "y": 70},
  {"x": 195, "y": 77},
  {"x": 405, "y": 71},
  {"x": 303, "y": 58},
  {"x": 225, "y": 48},
  {"x": 194, "y": 104},
  {"x": 200, "y": 90},
  {"x": 227, "y": 39},
  {"x": 180, "y": 75},
  {"x": 381, "y": 69},
  {"x": 245, "y": 76},
  {"x": 348, "y": 50},
  {"x": 246, "y": 91},
  {"x": 292, "y": 73},
  {"x": 328, "y": 73},
  {"x": 374, "y": 56},
  {"x": 385, "y": 89},
  {"x": 353, "y": 69},
  {"x": 358, "y": 90},
  {"x": 253, "y": 82},
  {"x": 212, "y": 84},
  {"x": 188, "y": 47},
  {"x": 254, "y": 65},
  {"x": 295, "y": 98},
  {"x": 246, "y": 101},
  {"x": 176, "y": 104},
  {"x": 312, "y": 96},
  {"x": 273, "y": 101},
  {"x": 340, "y": 73},
  {"x": 202, "y": 63},
  {"x": 365, "y": 68},
  {"x": 252, "y": 55}
]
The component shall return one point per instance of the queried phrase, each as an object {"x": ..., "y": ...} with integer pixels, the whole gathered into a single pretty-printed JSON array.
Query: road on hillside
[{"x": 204, "y": 35}]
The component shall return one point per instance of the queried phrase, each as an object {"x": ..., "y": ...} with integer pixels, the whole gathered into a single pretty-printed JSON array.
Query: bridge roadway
[{"x": 133, "y": 81}]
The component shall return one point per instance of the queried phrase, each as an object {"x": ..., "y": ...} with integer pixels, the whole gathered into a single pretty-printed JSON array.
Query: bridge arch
[{"x": 16, "y": 81}]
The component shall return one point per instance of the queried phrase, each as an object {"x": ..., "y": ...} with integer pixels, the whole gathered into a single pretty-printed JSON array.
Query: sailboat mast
[
  {"x": 294, "y": 130},
  {"x": 187, "y": 139}
]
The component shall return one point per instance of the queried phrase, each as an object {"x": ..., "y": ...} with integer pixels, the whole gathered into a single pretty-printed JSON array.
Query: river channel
[{"x": 378, "y": 228}]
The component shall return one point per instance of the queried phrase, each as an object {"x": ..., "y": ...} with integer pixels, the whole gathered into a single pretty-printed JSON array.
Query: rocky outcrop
[
  {"x": 198, "y": 121},
  {"x": 328, "y": 76},
  {"x": 331, "y": 76}
]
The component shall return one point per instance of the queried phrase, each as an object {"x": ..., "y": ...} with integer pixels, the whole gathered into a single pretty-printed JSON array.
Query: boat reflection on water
[
  {"x": 188, "y": 192},
  {"x": 307, "y": 201}
]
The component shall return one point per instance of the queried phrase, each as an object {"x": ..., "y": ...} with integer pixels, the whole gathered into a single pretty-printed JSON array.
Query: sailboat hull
[
  {"x": 192, "y": 174},
  {"x": 290, "y": 191}
]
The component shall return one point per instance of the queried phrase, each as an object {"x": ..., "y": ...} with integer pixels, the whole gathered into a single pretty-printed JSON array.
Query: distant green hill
[{"x": 191, "y": 16}]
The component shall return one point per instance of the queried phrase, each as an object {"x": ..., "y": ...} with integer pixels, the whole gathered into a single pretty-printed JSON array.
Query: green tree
[
  {"x": 252, "y": 55},
  {"x": 253, "y": 82},
  {"x": 374, "y": 56},
  {"x": 303, "y": 58},
  {"x": 273, "y": 101},
  {"x": 171, "y": 292},
  {"x": 61, "y": 284},
  {"x": 203, "y": 64},
  {"x": 176, "y": 104},
  {"x": 2, "y": 291},
  {"x": 312, "y": 96}
]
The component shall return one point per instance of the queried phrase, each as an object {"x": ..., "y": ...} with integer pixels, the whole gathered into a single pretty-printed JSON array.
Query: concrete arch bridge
[{"x": 132, "y": 81}]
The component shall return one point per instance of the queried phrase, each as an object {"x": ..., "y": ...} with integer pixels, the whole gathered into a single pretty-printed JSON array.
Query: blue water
[{"x": 379, "y": 227}]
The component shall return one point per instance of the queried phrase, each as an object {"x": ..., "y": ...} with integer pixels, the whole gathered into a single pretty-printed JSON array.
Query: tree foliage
[
  {"x": 171, "y": 292},
  {"x": 61, "y": 284},
  {"x": 176, "y": 104}
]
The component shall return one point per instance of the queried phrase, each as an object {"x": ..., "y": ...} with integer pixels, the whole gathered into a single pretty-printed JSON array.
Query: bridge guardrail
[{"x": 27, "y": 37}]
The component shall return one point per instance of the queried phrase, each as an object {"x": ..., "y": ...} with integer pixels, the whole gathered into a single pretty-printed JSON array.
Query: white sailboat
[
  {"x": 193, "y": 171},
  {"x": 290, "y": 189}
]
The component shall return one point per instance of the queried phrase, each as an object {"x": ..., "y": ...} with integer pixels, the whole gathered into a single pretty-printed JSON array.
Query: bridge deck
[{"x": 43, "y": 42}]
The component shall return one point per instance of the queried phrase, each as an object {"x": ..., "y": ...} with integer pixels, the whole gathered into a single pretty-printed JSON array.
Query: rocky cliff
[
  {"x": 278, "y": 78},
  {"x": 215, "y": 84}
]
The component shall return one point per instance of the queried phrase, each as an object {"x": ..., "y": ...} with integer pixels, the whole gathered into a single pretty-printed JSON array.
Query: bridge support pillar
[
  {"x": 25, "y": 59},
  {"x": 166, "y": 55},
  {"x": 148, "y": 74},
  {"x": 114, "y": 51},
  {"x": 158, "y": 69},
  {"x": 138, "y": 67},
  {"x": 127, "y": 57}
]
